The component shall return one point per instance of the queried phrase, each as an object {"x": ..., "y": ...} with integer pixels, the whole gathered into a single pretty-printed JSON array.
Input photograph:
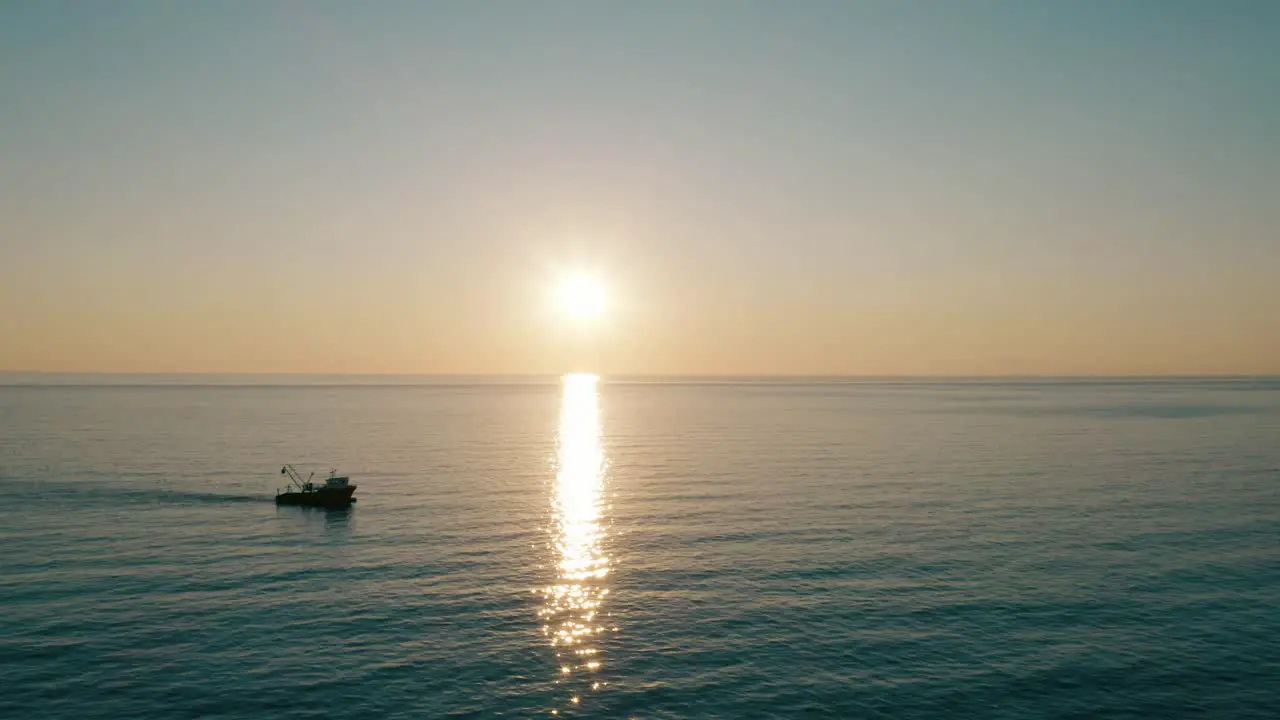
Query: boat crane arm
[{"x": 294, "y": 476}]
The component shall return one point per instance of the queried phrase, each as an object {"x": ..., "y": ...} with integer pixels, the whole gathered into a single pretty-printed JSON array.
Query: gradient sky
[{"x": 954, "y": 188}]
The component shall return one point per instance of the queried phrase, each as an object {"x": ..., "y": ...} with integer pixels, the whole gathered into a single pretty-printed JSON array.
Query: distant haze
[{"x": 864, "y": 188}]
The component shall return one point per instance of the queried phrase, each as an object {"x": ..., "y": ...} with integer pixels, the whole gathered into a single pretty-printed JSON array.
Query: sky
[{"x": 762, "y": 188}]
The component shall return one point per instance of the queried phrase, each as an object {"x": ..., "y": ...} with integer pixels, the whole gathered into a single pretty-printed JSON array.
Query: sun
[{"x": 581, "y": 297}]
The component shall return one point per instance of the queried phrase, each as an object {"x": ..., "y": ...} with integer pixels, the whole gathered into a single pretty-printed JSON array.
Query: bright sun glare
[{"x": 581, "y": 297}]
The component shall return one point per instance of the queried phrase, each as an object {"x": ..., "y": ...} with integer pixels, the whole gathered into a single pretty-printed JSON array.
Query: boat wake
[
  {"x": 182, "y": 498},
  {"x": 102, "y": 493}
]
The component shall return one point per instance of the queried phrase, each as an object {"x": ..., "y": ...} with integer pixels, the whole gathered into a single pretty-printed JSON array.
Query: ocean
[{"x": 526, "y": 548}]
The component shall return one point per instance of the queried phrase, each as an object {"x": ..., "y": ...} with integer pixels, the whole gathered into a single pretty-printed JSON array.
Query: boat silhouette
[{"x": 336, "y": 491}]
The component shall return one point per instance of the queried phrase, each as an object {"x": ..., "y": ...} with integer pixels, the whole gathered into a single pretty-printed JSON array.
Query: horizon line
[{"x": 640, "y": 376}]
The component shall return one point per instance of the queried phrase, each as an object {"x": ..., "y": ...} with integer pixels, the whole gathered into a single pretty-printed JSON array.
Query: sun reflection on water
[{"x": 571, "y": 613}]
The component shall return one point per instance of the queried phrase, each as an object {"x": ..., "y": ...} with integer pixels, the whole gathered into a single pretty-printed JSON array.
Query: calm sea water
[{"x": 660, "y": 550}]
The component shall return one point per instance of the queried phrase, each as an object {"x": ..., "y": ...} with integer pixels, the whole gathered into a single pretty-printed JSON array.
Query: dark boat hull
[{"x": 320, "y": 497}]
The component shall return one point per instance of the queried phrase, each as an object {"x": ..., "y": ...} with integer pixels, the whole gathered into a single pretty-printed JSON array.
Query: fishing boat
[{"x": 336, "y": 491}]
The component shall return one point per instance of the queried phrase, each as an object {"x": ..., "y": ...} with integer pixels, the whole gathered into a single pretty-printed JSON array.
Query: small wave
[{"x": 1117, "y": 411}]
